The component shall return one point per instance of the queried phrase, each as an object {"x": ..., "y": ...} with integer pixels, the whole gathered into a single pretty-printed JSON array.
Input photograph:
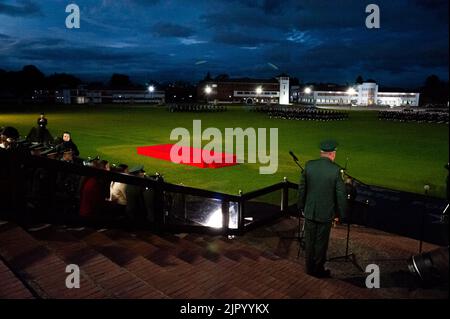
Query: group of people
[
  {"x": 322, "y": 196},
  {"x": 196, "y": 108},
  {"x": 87, "y": 199},
  {"x": 414, "y": 116},
  {"x": 308, "y": 114}
]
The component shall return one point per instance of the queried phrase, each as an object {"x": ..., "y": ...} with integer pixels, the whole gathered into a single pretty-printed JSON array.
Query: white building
[
  {"x": 284, "y": 90},
  {"x": 365, "y": 94},
  {"x": 85, "y": 96}
]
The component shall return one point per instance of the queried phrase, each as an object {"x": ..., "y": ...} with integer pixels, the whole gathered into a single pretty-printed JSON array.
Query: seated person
[
  {"x": 67, "y": 143},
  {"x": 118, "y": 190},
  {"x": 136, "y": 208},
  {"x": 92, "y": 198}
]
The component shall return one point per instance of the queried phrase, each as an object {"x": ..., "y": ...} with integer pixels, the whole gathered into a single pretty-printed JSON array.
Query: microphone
[{"x": 293, "y": 156}]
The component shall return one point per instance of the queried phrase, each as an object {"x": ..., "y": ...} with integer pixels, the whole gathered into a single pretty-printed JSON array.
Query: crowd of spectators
[{"x": 93, "y": 199}]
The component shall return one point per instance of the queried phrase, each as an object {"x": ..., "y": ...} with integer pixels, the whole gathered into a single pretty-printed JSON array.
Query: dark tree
[
  {"x": 359, "y": 80},
  {"x": 434, "y": 90},
  {"x": 222, "y": 77},
  {"x": 62, "y": 80},
  {"x": 31, "y": 77},
  {"x": 207, "y": 77},
  {"x": 120, "y": 81}
]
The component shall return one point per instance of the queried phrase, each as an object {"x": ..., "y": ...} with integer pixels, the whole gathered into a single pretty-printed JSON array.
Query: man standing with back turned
[{"x": 322, "y": 197}]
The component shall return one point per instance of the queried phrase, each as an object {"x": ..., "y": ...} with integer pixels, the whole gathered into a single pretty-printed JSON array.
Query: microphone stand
[
  {"x": 351, "y": 195},
  {"x": 300, "y": 231}
]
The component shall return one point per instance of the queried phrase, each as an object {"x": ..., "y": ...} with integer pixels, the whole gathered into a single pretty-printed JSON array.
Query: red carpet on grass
[{"x": 162, "y": 151}]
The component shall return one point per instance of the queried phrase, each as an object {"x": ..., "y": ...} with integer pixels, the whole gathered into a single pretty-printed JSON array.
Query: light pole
[
  {"x": 151, "y": 89},
  {"x": 350, "y": 92},
  {"x": 208, "y": 91},
  {"x": 259, "y": 91},
  {"x": 308, "y": 91}
]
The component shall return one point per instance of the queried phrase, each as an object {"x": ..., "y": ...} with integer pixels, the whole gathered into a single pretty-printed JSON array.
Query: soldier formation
[
  {"x": 414, "y": 116},
  {"x": 307, "y": 114},
  {"x": 196, "y": 108}
]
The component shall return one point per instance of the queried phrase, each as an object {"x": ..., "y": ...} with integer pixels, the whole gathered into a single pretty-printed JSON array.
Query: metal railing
[{"x": 188, "y": 209}]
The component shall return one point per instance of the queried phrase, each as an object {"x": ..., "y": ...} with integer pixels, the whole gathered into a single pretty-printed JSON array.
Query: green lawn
[{"x": 401, "y": 156}]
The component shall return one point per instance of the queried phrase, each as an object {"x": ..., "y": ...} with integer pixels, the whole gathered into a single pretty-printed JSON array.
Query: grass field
[{"x": 403, "y": 156}]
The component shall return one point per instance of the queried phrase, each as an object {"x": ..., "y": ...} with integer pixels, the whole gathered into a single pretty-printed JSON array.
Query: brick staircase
[{"x": 117, "y": 264}]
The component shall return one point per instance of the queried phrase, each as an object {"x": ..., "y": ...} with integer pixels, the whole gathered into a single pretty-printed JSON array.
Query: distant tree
[
  {"x": 207, "y": 77},
  {"x": 31, "y": 77},
  {"x": 222, "y": 77},
  {"x": 62, "y": 80},
  {"x": 434, "y": 90},
  {"x": 359, "y": 80},
  {"x": 120, "y": 81}
]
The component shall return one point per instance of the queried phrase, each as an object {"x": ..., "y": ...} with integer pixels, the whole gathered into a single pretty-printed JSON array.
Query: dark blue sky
[{"x": 313, "y": 40}]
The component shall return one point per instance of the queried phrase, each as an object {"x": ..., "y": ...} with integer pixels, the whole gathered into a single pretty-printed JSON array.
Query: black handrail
[
  {"x": 263, "y": 191},
  {"x": 199, "y": 192}
]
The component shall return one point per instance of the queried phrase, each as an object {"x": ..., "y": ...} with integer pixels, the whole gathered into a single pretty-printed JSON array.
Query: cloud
[
  {"x": 146, "y": 2},
  {"x": 171, "y": 30},
  {"x": 240, "y": 39},
  {"x": 24, "y": 9},
  {"x": 191, "y": 41}
]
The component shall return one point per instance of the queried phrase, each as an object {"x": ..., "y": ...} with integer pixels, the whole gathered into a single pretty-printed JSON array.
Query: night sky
[{"x": 182, "y": 40}]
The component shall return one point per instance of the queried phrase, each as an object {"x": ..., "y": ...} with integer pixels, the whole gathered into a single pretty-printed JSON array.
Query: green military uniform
[{"x": 322, "y": 197}]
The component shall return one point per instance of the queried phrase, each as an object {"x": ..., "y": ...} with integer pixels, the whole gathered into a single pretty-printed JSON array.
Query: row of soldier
[
  {"x": 196, "y": 108},
  {"x": 309, "y": 114},
  {"x": 414, "y": 116}
]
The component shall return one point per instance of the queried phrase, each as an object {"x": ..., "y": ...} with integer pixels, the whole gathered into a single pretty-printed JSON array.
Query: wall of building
[
  {"x": 365, "y": 94},
  {"x": 233, "y": 91}
]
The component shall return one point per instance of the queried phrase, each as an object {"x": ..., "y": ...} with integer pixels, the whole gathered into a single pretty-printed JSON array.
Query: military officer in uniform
[{"x": 322, "y": 198}]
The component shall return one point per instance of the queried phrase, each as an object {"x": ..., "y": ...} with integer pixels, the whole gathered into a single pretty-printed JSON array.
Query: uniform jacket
[{"x": 322, "y": 193}]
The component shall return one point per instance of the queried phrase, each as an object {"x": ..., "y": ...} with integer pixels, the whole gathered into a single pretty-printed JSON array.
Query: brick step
[
  {"x": 11, "y": 287},
  {"x": 164, "y": 272},
  {"x": 116, "y": 281},
  {"x": 43, "y": 270},
  {"x": 303, "y": 286},
  {"x": 261, "y": 284},
  {"x": 261, "y": 267},
  {"x": 210, "y": 273}
]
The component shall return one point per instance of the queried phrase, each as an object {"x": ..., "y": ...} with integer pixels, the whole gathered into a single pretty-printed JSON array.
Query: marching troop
[
  {"x": 414, "y": 116},
  {"x": 196, "y": 108}
]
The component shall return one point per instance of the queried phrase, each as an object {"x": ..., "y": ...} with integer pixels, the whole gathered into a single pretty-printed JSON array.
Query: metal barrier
[
  {"x": 36, "y": 188},
  {"x": 39, "y": 189}
]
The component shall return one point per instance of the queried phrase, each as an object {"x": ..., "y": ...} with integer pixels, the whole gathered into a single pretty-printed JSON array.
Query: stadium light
[
  {"x": 307, "y": 90},
  {"x": 208, "y": 89},
  {"x": 259, "y": 90},
  {"x": 151, "y": 89},
  {"x": 351, "y": 91}
]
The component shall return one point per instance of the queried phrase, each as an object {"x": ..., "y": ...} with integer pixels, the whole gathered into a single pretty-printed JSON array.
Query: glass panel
[
  {"x": 184, "y": 209},
  {"x": 262, "y": 207}
]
